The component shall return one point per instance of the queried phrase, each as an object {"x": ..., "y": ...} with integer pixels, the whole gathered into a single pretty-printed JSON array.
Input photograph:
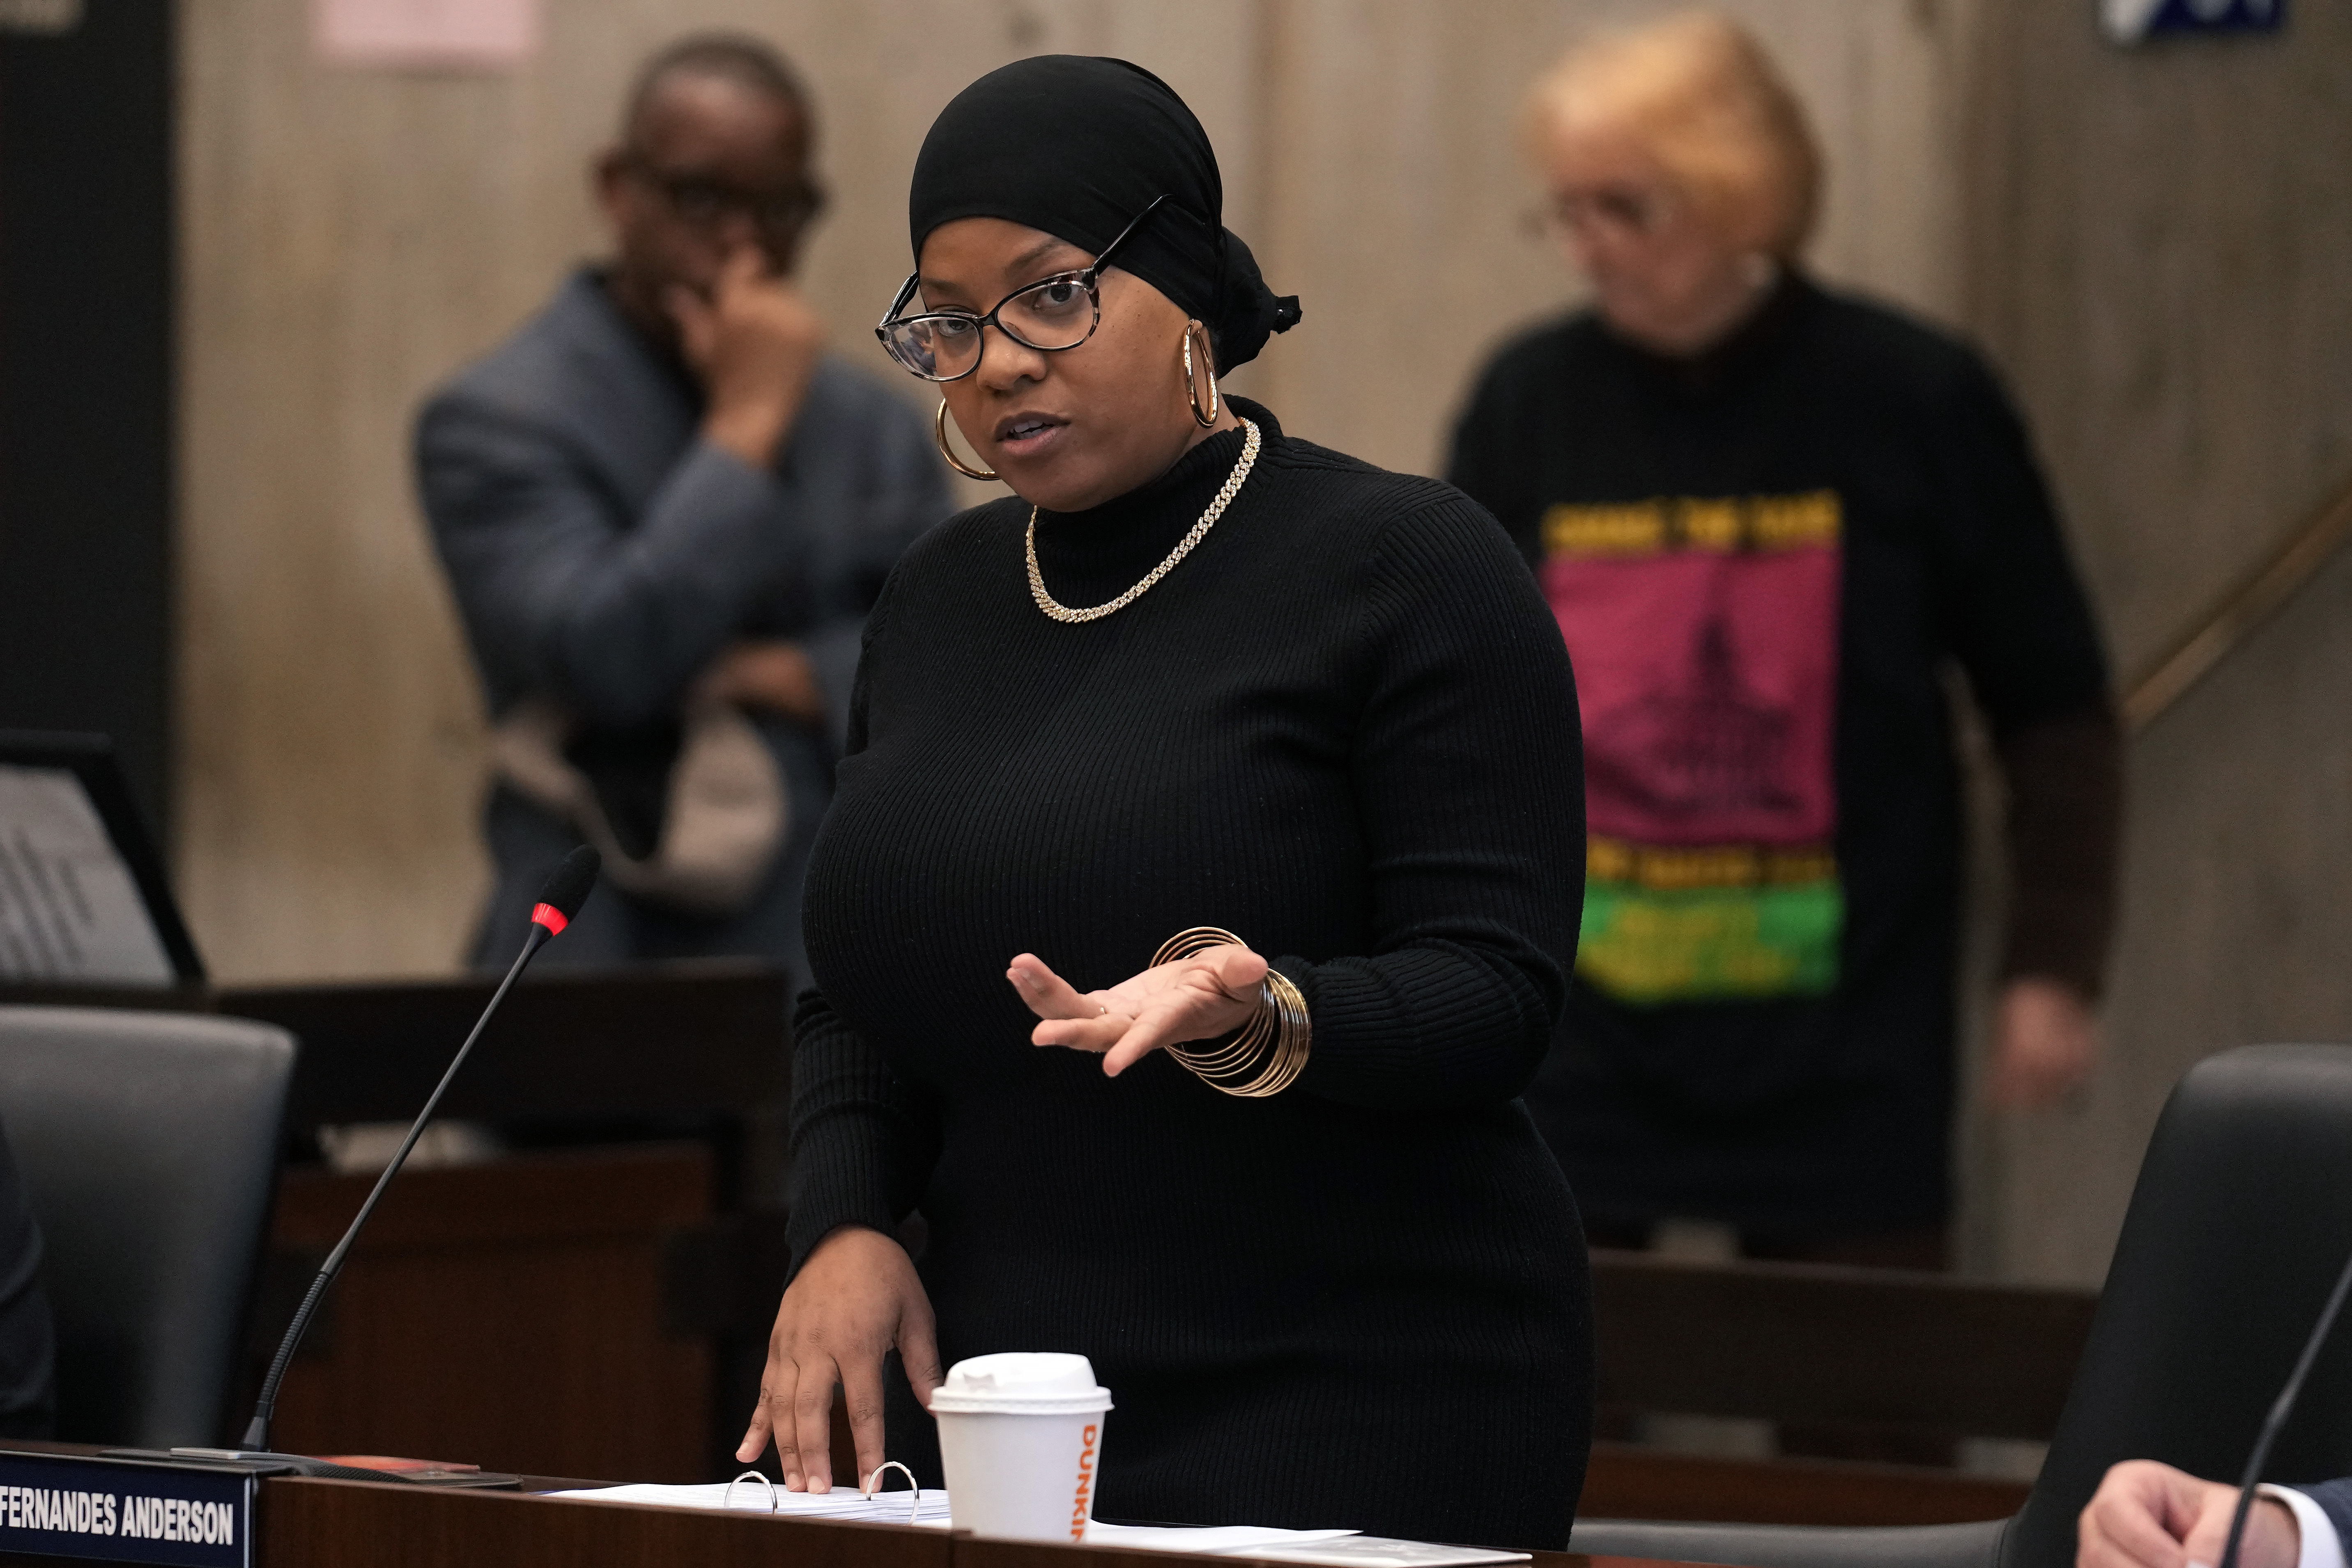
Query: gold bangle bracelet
[{"x": 1266, "y": 1055}]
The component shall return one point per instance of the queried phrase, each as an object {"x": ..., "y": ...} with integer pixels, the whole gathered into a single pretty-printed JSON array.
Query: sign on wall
[
  {"x": 464, "y": 35},
  {"x": 2130, "y": 21}
]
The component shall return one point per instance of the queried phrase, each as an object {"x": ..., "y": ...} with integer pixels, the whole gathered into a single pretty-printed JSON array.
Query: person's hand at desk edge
[
  {"x": 858, "y": 1298},
  {"x": 855, "y": 1300},
  {"x": 2149, "y": 1515}
]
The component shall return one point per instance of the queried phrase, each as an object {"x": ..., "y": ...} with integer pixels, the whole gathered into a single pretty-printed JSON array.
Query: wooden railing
[
  {"x": 1806, "y": 1345},
  {"x": 2241, "y": 612},
  {"x": 1809, "y": 1343}
]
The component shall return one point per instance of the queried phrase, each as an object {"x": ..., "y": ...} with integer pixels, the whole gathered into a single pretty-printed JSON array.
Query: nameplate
[{"x": 126, "y": 1511}]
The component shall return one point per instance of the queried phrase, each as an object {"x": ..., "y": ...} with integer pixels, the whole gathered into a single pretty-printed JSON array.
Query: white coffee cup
[{"x": 1020, "y": 1440}]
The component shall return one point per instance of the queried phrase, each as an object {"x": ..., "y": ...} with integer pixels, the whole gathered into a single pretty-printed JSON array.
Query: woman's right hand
[{"x": 855, "y": 1299}]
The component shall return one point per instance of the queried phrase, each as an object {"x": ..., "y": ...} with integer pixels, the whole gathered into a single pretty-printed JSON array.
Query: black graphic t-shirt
[{"x": 1764, "y": 563}]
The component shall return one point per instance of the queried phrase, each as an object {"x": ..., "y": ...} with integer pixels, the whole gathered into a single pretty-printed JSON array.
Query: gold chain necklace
[{"x": 1062, "y": 612}]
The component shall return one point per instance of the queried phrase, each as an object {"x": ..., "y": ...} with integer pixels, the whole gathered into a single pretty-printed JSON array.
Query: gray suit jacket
[
  {"x": 602, "y": 553},
  {"x": 2335, "y": 1499}
]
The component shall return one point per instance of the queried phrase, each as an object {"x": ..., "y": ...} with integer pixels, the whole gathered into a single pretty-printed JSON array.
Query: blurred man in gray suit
[{"x": 665, "y": 511}]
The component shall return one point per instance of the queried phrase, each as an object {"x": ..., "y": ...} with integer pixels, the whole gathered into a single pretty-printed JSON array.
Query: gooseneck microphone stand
[
  {"x": 565, "y": 890},
  {"x": 2281, "y": 1409}
]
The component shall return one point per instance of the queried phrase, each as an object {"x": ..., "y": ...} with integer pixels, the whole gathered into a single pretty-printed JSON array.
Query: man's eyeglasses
[
  {"x": 705, "y": 203},
  {"x": 1050, "y": 315}
]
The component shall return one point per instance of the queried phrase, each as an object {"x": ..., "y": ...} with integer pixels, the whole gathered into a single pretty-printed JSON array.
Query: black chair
[
  {"x": 148, "y": 1144},
  {"x": 2240, "y": 1222}
]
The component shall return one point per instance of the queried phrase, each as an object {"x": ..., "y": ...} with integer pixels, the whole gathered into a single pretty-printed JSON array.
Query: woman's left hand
[{"x": 1211, "y": 992}]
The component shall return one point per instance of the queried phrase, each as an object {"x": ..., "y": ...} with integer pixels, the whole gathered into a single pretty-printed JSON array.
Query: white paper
[
  {"x": 1250, "y": 1540},
  {"x": 842, "y": 1502},
  {"x": 1379, "y": 1551},
  {"x": 70, "y": 910},
  {"x": 1335, "y": 1547}
]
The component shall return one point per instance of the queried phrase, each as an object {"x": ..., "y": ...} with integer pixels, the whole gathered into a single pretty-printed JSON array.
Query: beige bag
[{"x": 723, "y": 821}]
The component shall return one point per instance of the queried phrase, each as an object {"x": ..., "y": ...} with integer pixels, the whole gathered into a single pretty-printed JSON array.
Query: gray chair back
[
  {"x": 2240, "y": 1220},
  {"x": 148, "y": 1144},
  {"x": 2240, "y": 1224}
]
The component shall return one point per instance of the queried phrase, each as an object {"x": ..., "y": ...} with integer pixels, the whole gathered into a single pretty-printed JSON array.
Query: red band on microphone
[{"x": 550, "y": 916}]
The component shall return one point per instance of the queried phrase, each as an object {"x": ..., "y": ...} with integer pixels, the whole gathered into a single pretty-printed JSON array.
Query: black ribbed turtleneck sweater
[{"x": 1335, "y": 729}]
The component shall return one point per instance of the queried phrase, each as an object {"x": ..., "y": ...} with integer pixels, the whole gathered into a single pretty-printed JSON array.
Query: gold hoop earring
[
  {"x": 1193, "y": 387},
  {"x": 939, "y": 434}
]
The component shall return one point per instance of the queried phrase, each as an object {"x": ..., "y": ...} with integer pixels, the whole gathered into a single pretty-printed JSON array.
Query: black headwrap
[{"x": 1076, "y": 147}]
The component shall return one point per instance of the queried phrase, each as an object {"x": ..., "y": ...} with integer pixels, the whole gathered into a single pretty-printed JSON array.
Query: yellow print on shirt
[
  {"x": 1661, "y": 868},
  {"x": 1665, "y": 524}
]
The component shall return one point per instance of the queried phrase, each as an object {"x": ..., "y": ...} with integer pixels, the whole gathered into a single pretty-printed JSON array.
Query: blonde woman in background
[{"x": 1769, "y": 518}]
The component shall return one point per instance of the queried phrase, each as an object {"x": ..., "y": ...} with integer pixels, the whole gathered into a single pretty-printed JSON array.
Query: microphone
[
  {"x": 559, "y": 898},
  {"x": 2280, "y": 1410}
]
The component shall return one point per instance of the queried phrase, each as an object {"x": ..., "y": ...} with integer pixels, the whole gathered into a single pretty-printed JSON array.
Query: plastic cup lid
[{"x": 1022, "y": 1382}]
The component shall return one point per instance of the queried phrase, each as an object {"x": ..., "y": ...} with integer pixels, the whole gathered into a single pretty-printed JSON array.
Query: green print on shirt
[{"x": 1646, "y": 946}]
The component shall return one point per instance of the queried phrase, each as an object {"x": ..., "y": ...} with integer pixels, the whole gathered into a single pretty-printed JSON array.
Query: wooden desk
[
  {"x": 349, "y": 1524},
  {"x": 510, "y": 1315},
  {"x": 306, "y": 1523}
]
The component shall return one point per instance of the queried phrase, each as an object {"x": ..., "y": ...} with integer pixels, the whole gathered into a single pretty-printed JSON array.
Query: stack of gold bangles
[{"x": 1273, "y": 1045}]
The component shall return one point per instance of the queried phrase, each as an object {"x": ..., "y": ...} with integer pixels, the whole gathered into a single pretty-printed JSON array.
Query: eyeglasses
[
  {"x": 1050, "y": 315},
  {"x": 704, "y": 203},
  {"x": 1635, "y": 212}
]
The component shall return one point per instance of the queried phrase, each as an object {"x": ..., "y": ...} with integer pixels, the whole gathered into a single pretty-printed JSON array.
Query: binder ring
[
  {"x": 727, "y": 1497},
  {"x": 873, "y": 1488}
]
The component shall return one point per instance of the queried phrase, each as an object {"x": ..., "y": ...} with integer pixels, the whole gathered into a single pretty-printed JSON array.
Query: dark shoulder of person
[
  {"x": 848, "y": 400},
  {"x": 559, "y": 359},
  {"x": 1533, "y": 387},
  {"x": 1888, "y": 358},
  {"x": 1400, "y": 528},
  {"x": 1530, "y": 368},
  {"x": 963, "y": 539},
  {"x": 1352, "y": 493},
  {"x": 936, "y": 573},
  {"x": 1924, "y": 403}
]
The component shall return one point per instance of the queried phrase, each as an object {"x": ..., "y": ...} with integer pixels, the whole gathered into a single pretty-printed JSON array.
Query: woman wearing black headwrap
[{"x": 1297, "y": 1216}]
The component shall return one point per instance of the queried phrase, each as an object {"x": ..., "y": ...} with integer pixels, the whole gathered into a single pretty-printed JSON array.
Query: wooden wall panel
[{"x": 2162, "y": 256}]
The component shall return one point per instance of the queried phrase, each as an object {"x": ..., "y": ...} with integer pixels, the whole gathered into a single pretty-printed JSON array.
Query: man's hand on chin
[{"x": 754, "y": 342}]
